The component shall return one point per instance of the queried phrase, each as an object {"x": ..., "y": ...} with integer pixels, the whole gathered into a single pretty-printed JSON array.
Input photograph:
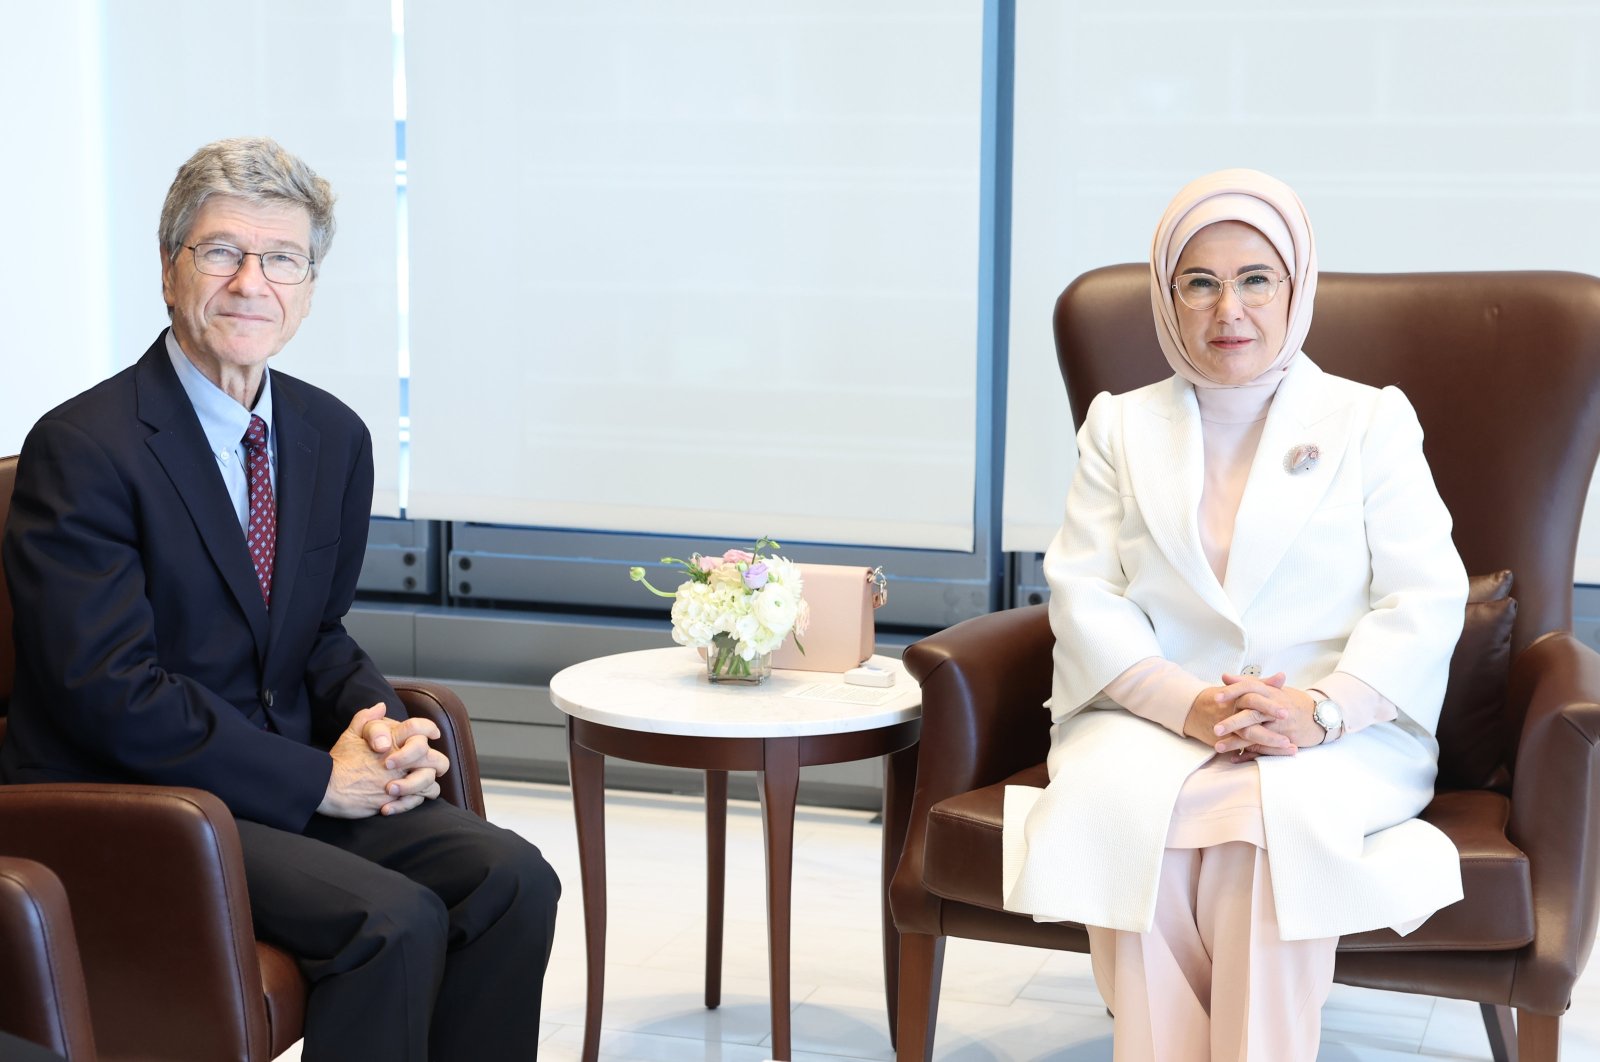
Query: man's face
[{"x": 229, "y": 324}]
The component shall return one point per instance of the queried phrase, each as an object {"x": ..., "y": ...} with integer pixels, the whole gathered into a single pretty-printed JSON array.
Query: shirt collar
[{"x": 223, "y": 420}]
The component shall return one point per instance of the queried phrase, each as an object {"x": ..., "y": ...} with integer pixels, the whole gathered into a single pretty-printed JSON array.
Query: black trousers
[{"x": 424, "y": 936}]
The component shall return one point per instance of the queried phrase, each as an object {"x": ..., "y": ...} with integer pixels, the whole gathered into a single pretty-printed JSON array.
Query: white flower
[
  {"x": 776, "y": 606},
  {"x": 725, "y": 608}
]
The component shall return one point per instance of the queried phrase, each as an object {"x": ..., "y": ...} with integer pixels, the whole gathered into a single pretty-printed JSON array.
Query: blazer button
[
  {"x": 266, "y": 698},
  {"x": 1249, "y": 671}
]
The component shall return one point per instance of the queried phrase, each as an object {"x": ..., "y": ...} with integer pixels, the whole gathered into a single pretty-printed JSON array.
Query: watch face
[{"x": 1327, "y": 715}]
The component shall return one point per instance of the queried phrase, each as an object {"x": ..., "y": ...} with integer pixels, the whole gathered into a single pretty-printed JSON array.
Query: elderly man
[{"x": 183, "y": 545}]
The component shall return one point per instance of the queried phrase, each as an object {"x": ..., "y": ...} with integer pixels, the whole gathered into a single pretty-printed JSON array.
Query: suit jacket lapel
[
  {"x": 181, "y": 447},
  {"x": 298, "y": 442},
  {"x": 1166, "y": 470},
  {"x": 1277, "y": 503}
]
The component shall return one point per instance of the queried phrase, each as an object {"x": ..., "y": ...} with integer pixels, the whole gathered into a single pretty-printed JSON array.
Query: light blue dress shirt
[{"x": 225, "y": 421}]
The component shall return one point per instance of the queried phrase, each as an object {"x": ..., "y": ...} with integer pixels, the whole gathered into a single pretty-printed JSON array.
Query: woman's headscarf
[{"x": 1258, "y": 200}]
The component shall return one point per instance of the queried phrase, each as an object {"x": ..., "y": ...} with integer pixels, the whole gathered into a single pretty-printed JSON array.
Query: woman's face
[{"x": 1232, "y": 343}]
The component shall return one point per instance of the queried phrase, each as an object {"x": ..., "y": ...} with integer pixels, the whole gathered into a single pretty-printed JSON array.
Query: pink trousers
[{"x": 1212, "y": 981}]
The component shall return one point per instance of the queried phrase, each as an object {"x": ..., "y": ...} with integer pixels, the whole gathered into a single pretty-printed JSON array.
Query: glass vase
[{"x": 724, "y": 665}]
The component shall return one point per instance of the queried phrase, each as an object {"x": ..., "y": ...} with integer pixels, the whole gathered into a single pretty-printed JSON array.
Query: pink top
[{"x": 1222, "y": 800}]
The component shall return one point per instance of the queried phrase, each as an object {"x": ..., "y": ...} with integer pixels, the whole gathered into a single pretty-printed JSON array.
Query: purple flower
[{"x": 755, "y": 576}]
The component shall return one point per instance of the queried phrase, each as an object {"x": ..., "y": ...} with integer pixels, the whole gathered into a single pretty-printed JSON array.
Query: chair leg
[
  {"x": 1502, "y": 1032},
  {"x": 921, "y": 970},
  {"x": 1538, "y": 1037}
]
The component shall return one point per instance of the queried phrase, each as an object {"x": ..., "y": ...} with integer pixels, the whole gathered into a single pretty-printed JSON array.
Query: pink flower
[
  {"x": 755, "y": 576},
  {"x": 738, "y": 556},
  {"x": 708, "y": 564}
]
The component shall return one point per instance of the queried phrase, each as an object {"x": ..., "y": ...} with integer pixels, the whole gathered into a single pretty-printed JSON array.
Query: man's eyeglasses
[
  {"x": 1201, "y": 291},
  {"x": 224, "y": 260}
]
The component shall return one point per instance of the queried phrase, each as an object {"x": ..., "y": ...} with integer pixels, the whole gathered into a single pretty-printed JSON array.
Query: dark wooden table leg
[
  {"x": 899, "y": 786},
  {"x": 716, "y": 879},
  {"x": 588, "y": 773},
  {"x": 780, "y": 782}
]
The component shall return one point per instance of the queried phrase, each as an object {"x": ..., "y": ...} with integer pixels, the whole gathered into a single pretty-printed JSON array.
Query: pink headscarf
[{"x": 1269, "y": 206}]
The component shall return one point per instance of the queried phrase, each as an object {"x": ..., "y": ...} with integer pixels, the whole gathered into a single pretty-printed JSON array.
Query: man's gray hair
[{"x": 256, "y": 170}]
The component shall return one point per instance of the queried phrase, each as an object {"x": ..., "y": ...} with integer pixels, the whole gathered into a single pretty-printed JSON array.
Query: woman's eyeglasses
[{"x": 1202, "y": 291}]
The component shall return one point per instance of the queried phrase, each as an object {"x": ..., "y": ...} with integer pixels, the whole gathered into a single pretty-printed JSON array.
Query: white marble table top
[{"x": 665, "y": 691}]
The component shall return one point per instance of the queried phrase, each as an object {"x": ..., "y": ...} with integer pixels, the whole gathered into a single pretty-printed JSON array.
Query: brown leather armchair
[
  {"x": 44, "y": 1001},
  {"x": 155, "y": 880},
  {"x": 1504, "y": 372}
]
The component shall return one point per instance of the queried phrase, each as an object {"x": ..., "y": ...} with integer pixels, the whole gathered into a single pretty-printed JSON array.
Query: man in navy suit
[{"x": 184, "y": 543}]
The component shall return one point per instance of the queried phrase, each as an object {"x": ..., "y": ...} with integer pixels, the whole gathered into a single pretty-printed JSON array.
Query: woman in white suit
[{"x": 1255, "y": 598}]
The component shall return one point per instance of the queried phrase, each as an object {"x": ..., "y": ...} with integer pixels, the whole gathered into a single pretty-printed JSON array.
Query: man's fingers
[
  {"x": 407, "y": 754},
  {"x": 414, "y": 753},
  {"x": 416, "y": 781},
  {"x": 395, "y": 807},
  {"x": 417, "y": 725},
  {"x": 359, "y": 721}
]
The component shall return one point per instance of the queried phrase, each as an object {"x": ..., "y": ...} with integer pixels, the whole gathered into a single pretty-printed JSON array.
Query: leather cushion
[
  {"x": 1473, "y": 736},
  {"x": 961, "y": 861}
]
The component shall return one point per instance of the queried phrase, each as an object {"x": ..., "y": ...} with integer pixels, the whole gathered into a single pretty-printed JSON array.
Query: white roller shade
[
  {"x": 1456, "y": 137},
  {"x": 119, "y": 95},
  {"x": 696, "y": 267}
]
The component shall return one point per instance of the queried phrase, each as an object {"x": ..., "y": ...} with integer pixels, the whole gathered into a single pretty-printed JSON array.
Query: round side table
[{"x": 656, "y": 706}]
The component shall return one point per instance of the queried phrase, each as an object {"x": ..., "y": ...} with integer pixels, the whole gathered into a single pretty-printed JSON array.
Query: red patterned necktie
[{"x": 261, "y": 533}]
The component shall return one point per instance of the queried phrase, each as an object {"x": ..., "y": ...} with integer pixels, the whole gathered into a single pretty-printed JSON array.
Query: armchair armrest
[
  {"x": 1555, "y": 812},
  {"x": 461, "y": 785},
  {"x": 44, "y": 1000},
  {"x": 984, "y": 684},
  {"x": 156, "y": 883}
]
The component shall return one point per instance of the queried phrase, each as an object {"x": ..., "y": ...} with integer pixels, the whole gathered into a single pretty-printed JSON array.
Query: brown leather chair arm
[
  {"x": 984, "y": 684},
  {"x": 460, "y": 784},
  {"x": 43, "y": 1000},
  {"x": 1555, "y": 812},
  {"x": 156, "y": 883}
]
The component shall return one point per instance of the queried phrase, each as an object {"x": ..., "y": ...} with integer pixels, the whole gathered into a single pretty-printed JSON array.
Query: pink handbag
[{"x": 842, "y": 632}]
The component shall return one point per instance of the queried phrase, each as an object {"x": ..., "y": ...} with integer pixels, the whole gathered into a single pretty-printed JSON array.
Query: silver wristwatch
[{"x": 1327, "y": 714}]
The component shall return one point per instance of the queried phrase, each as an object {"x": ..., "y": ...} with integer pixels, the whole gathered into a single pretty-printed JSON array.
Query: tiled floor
[{"x": 998, "y": 1003}]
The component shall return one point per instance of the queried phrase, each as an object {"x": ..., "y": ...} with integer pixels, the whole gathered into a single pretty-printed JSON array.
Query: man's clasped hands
[
  {"x": 1249, "y": 716},
  {"x": 382, "y": 766}
]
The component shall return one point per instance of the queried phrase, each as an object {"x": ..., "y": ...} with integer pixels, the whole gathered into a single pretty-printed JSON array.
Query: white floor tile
[{"x": 1455, "y": 1030}]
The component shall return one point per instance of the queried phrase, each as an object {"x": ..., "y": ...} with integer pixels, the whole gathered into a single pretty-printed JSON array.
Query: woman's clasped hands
[{"x": 1249, "y": 716}]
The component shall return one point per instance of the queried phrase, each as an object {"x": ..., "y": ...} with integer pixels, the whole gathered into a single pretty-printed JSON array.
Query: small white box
[{"x": 869, "y": 675}]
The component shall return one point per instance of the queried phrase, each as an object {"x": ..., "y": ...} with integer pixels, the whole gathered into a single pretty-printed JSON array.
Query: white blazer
[{"x": 1346, "y": 567}]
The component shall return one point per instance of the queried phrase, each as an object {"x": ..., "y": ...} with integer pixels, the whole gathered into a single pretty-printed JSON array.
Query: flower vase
[{"x": 725, "y": 665}]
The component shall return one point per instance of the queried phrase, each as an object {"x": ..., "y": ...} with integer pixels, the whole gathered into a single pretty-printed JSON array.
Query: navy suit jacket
[{"x": 144, "y": 650}]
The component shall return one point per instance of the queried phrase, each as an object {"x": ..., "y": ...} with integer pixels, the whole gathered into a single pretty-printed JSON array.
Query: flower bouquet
[{"x": 738, "y": 607}]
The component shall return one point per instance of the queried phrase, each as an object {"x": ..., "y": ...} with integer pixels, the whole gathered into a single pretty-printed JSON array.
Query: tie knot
[{"x": 256, "y": 434}]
